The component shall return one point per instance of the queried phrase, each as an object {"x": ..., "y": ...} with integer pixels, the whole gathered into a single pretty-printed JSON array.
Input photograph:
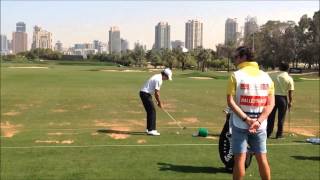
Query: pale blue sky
[{"x": 84, "y": 21}]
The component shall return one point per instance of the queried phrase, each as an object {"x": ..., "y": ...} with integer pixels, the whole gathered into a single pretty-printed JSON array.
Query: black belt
[{"x": 142, "y": 92}]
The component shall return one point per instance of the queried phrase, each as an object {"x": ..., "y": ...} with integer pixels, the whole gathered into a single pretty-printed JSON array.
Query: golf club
[
  {"x": 178, "y": 123},
  {"x": 289, "y": 121}
]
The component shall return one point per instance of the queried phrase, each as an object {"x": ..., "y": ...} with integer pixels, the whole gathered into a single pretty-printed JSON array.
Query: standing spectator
[
  {"x": 284, "y": 88},
  {"x": 250, "y": 95}
]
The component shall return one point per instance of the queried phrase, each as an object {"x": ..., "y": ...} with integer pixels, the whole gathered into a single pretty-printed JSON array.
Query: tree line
[{"x": 274, "y": 42}]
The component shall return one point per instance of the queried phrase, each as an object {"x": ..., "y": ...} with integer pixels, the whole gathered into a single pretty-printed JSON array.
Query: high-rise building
[
  {"x": 114, "y": 40},
  {"x": 124, "y": 45},
  {"x": 162, "y": 36},
  {"x": 194, "y": 34},
  {"x": 231, "y": 29},
  {"x": 250, "y": 26},
  {"x": 20, "y": 27},
  {"x": 177, "y": 43},
  {"x": 58, "y": 46},
  {"x": 19, "y": 38},
  {"x": 98, "y": 45},
  {"x": 41, "y": 38},
  {"x": 3, "y": 45}
]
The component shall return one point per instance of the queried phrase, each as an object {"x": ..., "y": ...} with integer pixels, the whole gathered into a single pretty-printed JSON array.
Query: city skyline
[{"x": 136, "y": 19}]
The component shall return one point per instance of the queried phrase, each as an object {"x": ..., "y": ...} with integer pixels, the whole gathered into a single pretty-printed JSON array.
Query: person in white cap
[{"x": 152, "y": 86}]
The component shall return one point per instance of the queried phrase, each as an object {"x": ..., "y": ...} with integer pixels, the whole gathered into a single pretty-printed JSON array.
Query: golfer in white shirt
[{"x": 152, "y": 86}]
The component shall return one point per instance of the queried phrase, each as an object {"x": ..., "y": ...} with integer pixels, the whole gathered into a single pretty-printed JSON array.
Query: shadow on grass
[
  {"x": 313, "y": 158},
  {"x": 119, "y": 132},
  {"x": 191, "y": 169}
]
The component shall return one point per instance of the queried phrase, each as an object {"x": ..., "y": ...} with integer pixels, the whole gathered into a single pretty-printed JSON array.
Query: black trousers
[
  {"x": 281, "y": 104},
  {"x": 146, "y": 99}
]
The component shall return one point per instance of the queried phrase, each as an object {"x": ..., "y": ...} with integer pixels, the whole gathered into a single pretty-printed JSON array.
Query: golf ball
[{"x": 177, "y": 132}]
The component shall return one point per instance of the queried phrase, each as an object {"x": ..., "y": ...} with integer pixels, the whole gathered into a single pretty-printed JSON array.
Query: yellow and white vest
[{"x": 251, "y": 96}]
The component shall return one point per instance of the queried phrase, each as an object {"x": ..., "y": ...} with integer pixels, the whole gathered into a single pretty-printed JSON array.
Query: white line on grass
[{"x": 137, "y": 145}]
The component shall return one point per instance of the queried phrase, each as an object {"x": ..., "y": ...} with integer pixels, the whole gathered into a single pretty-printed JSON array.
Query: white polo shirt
[{"x": 154, "y": 83}]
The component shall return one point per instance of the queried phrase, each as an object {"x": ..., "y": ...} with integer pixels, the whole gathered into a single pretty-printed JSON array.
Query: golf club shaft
[
  {"x": 289, "y": 118},
  {"x": 173, "y": 118}
]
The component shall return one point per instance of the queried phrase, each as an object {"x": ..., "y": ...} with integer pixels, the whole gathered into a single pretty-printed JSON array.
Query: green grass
[{"x": 72, "y": 100}]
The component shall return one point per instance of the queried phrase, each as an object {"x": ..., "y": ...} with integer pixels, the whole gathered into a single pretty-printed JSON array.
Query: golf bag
[{"x": 225, "y": 149}]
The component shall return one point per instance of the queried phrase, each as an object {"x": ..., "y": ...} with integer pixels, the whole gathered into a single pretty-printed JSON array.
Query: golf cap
[{"x": 168, "y": 72}]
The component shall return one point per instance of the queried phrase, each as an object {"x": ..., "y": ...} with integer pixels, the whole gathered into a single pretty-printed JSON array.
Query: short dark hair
[
  {"x": 283, "y": 66},
  {"x": 245, "y": 51},
  {"x": 164, "y": 74}
]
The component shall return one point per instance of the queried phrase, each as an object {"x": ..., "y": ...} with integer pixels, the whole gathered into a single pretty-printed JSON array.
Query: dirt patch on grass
[
  {"x": 9, "y": 130},
  {"x": 190, "y": 120},
  {"x": 141, "y": 141},
  {"x": 11, "y": 113},
  {"x": 174, "y": 123},
  {"x": 304, "y": 131},
  {"x": 201, "y": 78},
  {"x": 67, "y": 142},
  {"x": 59, "y": 110},
  {"x": 87, "y": 106},
  {"x": 59, "y": 124},
  {"x": 119, "y": 135}
]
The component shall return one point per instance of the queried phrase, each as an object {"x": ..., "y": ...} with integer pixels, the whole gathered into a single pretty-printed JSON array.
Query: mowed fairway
[{"x": 79, "y": 122}]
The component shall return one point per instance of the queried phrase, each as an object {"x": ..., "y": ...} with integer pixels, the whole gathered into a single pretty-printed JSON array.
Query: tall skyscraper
[
  {"x": 20, "y": 27},
  {"x": 19, "y": 38},
  {"x": 114, "y": 40},
  {"x": 162, "y": 36},
  {"x": 3, "y": 45},
  {"x": 231, "y": 29},
  {"x": 124, "y": 45},
  {"x": 98, "y": 45},
  {"x": 250, "y": 26},
  {"x": 41, "y": 38},
  {"x": 194, "y": 34},
  {"x": 58, "y": 46}
]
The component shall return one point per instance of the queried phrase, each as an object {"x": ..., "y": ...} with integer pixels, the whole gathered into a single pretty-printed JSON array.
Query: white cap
[{"x": 168, "y": 72}]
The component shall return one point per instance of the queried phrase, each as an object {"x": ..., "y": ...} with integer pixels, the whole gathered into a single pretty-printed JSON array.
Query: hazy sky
[{"x": 84, "y": 21}]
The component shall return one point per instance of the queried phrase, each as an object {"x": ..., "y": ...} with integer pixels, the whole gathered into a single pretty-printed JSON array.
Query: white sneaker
[
  {"x": 153, "y": 133},
  {"x": 147, "y": 131}
]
